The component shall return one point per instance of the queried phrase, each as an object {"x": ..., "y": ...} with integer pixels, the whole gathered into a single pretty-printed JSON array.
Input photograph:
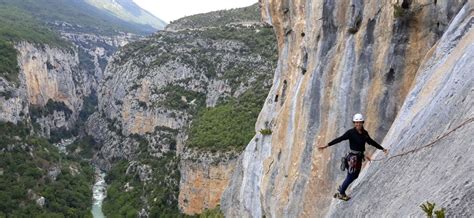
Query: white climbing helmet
[{"x": 358, "y": 118}]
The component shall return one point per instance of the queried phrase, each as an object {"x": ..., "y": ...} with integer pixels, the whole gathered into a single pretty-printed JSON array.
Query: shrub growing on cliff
[
  {"x": 398, "y": 11},
  {"x": 212, "y": 213},
  {"x": 428, "y": 208},
  {"x": 266, "y": 131}
]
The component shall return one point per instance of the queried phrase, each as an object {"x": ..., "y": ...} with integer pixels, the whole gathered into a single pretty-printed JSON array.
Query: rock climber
[{"x": 357, "y": 137}]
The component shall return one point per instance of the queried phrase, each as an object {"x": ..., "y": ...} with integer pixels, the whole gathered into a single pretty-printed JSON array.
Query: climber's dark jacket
[{"x": 356, "y": 140}]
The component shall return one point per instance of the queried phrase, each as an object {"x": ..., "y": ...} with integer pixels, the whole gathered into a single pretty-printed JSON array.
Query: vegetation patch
[
  {"x": 8, "y": 62},
  {"x": 229, "y": 125},
  {"x": 219, "y": 18},
  {"x": 125, "y": 190},
  {"x": 179, "y": 98},
  {"x": 212, "y": 213},
  {"x": 84, "y": 17},
  {"x": 18, "y": 25},
  {"x": 429, "y": 209},
  {"x": 259, "y": 40},
  {"x": 26, "y": 163},
  {"x": 89, "y": 106},
  {"x": 48, "y": 109},
  {"x": 83, "y": 147},
  {"x": 398, "y": 11},
  {"x": 266, "y": 131},
  {"x": 62, "y": 133}
]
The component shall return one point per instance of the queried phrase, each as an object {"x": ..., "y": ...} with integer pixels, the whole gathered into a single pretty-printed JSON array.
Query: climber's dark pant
[
  {"x": 355, "y": 165},
  {"x": 349, "y": 179}
]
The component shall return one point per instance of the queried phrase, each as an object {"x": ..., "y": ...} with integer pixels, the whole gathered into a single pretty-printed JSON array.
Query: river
[{"x": 99, "y": 191}]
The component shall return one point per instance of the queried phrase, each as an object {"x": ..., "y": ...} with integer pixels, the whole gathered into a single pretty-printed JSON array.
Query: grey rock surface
[
  {"x": 437, "y": 113},
  {"x": 341, "y": 58}
]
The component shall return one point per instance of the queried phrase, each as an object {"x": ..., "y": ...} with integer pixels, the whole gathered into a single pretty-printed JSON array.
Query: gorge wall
[
  {"x": 54, "y": 81},
  {"x": 203, "y": 69},
  {"x": 386, "y": 60}
]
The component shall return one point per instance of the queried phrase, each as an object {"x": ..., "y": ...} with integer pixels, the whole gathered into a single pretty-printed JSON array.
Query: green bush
[
  {"x": 212, "y": 213},
  {"x": 428, "y": 208},
  {"x": 228, "y": 125},
  {"x": 266, "y": 131},
  {"x": 399, "y": 12}
]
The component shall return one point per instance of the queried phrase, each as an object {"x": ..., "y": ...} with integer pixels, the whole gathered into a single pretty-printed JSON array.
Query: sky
[{"x": 169, "y": 10}]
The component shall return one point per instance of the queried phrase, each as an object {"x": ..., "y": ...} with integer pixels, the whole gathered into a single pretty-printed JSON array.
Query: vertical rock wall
[
  {"x": 430, "y": 140},
  {"x": 46, "y": 74},
  {"x": 204, "y": 176},
  {"x": 336, "y": 58}
]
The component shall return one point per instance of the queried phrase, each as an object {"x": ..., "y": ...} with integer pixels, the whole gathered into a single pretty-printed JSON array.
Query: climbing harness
[{"x": 430, "y": 144}]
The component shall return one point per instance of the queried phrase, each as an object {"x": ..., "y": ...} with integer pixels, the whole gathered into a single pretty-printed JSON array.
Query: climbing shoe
[{"x": 341, "y": 196}]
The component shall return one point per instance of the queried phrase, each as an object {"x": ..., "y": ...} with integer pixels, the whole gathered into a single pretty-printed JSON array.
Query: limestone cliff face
[
  {"x": 204, "y": 176},
  {"x": 12, "y": 108},
  {"x": 46, "y": 74},
  {"x": 94, "y": 51},
  {"x": 437, "y": 113},
  {"x": 337, "y": 58}
]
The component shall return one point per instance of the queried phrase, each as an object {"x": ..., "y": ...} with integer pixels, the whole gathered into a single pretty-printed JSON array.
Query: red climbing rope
[{"x": 430, "y": 144}]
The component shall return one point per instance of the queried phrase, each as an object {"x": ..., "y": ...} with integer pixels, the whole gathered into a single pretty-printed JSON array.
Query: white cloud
[{"x": 169, "y": 10}]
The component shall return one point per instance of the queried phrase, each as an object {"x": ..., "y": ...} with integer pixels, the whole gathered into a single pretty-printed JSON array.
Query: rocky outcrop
[
  {"x": 48, "y": 74},
  {"x": 339, "y": 58},
  {"x": 47, "y": 78},
  {"x": 94, "y": 50},
  {"x": 204, "y": 177},
  {"x": 12, "y": 107}
]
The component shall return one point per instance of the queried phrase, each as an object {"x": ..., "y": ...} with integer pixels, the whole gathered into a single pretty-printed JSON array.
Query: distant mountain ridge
[
  {"x": 250, "y": 14},
  {"x": 129, "y": 11},
  {"x": 106, "y": 17}
]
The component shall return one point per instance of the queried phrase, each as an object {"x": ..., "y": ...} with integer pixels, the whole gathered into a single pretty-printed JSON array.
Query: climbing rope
[{"x": 430, "y": 144}]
